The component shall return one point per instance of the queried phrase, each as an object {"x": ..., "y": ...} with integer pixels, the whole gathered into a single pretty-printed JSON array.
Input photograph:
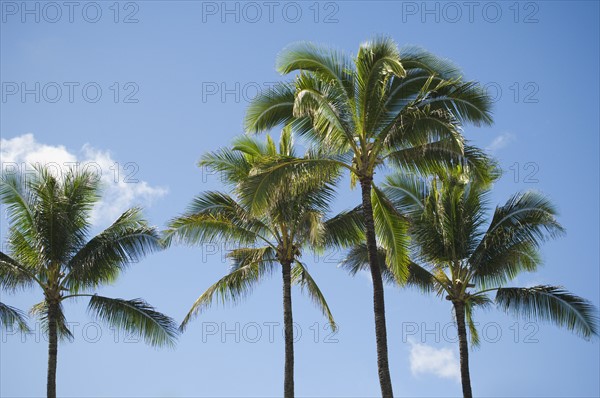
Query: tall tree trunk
[
  {"x": 288, "y": 324},
  {"x": 459, "y": 309},
  {"x": 52, "y": 349},
  {"x": 383, "y": 366}
]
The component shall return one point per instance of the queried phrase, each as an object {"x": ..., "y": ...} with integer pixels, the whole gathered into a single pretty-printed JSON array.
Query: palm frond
[
  {"x": 328, "y": 110},
  {"x": 472, "y": 302},
  {"x": 421, "y": 278},
  {"x": 101, "y": 260},
  {"x": 233, "y": 165},
  {"x": 302, "y": 277},
  {"x": 270, "y": 108},
  {"x": 137, "y": 317},
  {"x": 40, "y": 311},
  {"x": 392, "y": 233},
  {"x": 214, "y": 216},
  {"x": 282, "y": 177},
  {"x": 232, "y": 287},
  {"x": 416, "y": 58},
  {"x": 326, "y": 64},
  {"x": 553, "y": 304},
  {"x": 377, "y": 62},
  {"x": 407, "y": 192},
  {"x": 357, "y": 260},
  {"x": 345, "y": 229},
  {"x": 515, "y": 233},
  {"x": 466, "y": 101},
  {"x": 13, "y": 275},
  {"x": 10, "y": 316}
]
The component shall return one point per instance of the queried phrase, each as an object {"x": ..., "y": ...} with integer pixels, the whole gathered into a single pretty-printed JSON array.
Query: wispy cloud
[
  {"x": 442, "y": 362},
  {"x": 121, "y": 186},
  {"x": 501, "y": 141}
]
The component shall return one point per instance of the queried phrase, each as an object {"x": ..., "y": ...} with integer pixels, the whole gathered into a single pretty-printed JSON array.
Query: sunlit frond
[{"x": 392, "y": 231}]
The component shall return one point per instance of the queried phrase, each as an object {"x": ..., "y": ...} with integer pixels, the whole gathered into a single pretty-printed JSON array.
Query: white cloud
[
  {"x": 442, "y": 362},
  {"x": 501, "y": 141},
  {"x": 121, "y": 186}
]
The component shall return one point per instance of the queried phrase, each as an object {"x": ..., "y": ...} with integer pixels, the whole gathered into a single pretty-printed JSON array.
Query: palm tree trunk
[
  {"x": 459, "y": 309},
  {"x": 383, "y": 366},
  {"x": 288, "y": 324},
  {"x": 52, "y": 349}
]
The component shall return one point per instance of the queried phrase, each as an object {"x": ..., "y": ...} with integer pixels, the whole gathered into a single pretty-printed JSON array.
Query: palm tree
[
  {"x": 49, "y": 221},
  {"x": 385, "y": 106},
  {"x": 275, "y": 236},
  {"x": 463, "y": 261}
]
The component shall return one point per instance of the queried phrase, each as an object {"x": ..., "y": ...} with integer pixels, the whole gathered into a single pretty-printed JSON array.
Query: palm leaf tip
[
  {"x": 137, "y": 317},
  {"x": 10, "y": 316},
  {"x": 301, "y": 276},
  {"x": 554, "y": 304}
]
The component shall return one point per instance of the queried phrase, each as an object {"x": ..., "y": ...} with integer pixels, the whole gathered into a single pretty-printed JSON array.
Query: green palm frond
[
  {"x": 377, "y": 62},
  {"x": 467, "y": 101},
  {"x": 357, "y": 259},
  {"x": 40, "y": 311},
  {"x": 392, "y": 230},
  {"x": 327, "y": 108},
  {"x": 65, "y": 202},
  {"x": 17, "y": 195},
  {"x": 13, "y": 275},
  {"x": 326, "y": 64},
  {"x": 10, "y": 316},
  {"x": 345, "y": 229},
  {"x": 418, "y": 59},
  {"x": 553, "y": 304},
  {"x": 232, "y": 165},
  {"x": 427, "y": 158},
  {"x": 101, "y": 260},
  {"x": 286, "y": 142},
  {"x": 301, "y": 276},
  {"x": 407, "y": 192},
  {"x": 271, "y": 108},
  {"x": 515, "y": 233},
  {"x": 137, "y": 317},
  {"x": 421, "y": 278},
  {"x": 246, "y": 256},
  {"x": 232, "y": 287},
  {"x": 472, "y": 302},
  {"x": 272, "y": 180},
  {"x": 214, "y": 216}
]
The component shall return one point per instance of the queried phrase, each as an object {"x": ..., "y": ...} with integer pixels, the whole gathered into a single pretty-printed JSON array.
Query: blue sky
[{"x": 143, "y": 100}]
